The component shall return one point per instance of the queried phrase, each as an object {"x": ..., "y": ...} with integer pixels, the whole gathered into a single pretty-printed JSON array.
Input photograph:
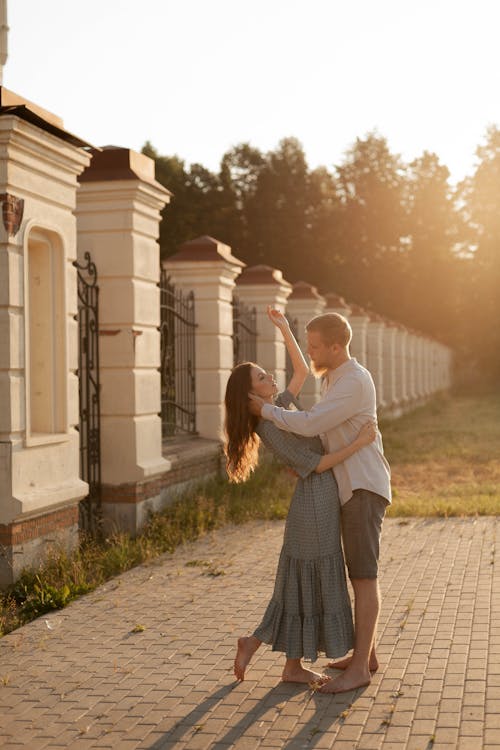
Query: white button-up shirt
[{"x": 347, "y": 403}]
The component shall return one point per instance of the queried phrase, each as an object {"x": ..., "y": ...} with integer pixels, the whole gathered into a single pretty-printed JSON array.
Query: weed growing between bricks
[{"x": 65, "y": 576}]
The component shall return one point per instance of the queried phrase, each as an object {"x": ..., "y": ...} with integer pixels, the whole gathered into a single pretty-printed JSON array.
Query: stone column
[
  {"x": 358, "y": 319},
  {"x": 401, "y": 367},
  {"x": 118, "y": 215},
  {"x": 391, "y": 400},
  {"x": 207, "y": 267},
  {"x": 375, "y": 355},
  {"x": 305, "y": 303},
  {"x": 40, "y": 484},
  {"x": 260, "y": 286},
  {"x": 411, "y": 368},
  {"x": 420, "y": 373},
  {"x": 337, "y": 304}
]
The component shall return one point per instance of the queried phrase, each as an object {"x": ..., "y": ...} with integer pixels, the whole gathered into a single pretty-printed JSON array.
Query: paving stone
[{"x": 171, "y": 686}]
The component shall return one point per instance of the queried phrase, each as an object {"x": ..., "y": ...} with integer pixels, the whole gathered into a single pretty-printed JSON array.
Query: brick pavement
[{"x": 81, "y": 679}]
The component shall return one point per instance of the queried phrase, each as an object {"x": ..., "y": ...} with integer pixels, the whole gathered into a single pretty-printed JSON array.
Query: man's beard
[{"x": 318, "y": 370}]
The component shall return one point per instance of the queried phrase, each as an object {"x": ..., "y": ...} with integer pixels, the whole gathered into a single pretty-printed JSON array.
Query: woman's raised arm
[{"x": 299, "y": 364}]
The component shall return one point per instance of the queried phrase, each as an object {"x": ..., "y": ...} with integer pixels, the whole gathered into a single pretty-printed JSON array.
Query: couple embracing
[{"x": 310, "y": 609}]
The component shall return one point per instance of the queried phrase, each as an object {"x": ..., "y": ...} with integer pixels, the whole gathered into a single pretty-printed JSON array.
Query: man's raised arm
[{"x": 325, "y": 415}]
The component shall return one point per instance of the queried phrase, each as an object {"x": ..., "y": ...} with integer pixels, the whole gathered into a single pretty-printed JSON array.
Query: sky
[{"x": 196, "y": 77}]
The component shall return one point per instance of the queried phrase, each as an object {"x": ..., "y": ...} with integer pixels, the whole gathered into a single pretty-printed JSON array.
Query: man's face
[{"x": 323, "y": 357}]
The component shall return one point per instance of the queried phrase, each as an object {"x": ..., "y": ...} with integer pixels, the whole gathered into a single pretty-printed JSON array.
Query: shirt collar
[{"x": 332, "y": 376}]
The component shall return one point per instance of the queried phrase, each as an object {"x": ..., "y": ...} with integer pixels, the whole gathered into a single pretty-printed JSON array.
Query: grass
[{"x": 444, "y": 459}]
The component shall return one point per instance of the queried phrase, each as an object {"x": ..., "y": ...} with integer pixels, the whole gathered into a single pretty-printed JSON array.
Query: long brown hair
[{"x": 241, "y": 445}]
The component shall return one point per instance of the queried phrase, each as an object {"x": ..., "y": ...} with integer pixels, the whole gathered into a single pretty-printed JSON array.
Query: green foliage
[{"x": 388, "y": 235}]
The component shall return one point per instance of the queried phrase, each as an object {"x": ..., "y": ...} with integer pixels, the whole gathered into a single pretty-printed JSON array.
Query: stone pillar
[
  {"x": 391, "y": 401},
  {"x": 337, "y": 304},
  {"x": 305, "y": 303},
  {"x": 260, "y": 286},
  {"x": 358, "y": 319},
  {"x": 207, "y": 267},
  {"x": 411, "y": 368},
  {"x": 375, "y": 355},
  {"x": 40, "y": 484},
  {"x": 118, "y": 215},
  {"x": 401, "y": 367},
  {"x": 419, "y": 368}
]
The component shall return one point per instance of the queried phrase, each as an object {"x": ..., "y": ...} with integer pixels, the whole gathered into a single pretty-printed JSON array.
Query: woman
[{"x": 310, "y": 610}]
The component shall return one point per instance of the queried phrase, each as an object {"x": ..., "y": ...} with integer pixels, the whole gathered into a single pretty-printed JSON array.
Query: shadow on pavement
[{"x": 329, "y": 709}]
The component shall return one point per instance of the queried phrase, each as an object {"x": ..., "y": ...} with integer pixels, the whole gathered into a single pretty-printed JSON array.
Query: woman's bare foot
[
  {"x": 352, "y": 679},
  {"x": 247, "y": 646},
  {"x": 307, "y": 676},
  {"x": 344, "y": 663}
]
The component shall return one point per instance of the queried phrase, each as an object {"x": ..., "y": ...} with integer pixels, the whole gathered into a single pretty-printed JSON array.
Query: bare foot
[
  {"x": 350, "y": 680},
  {"x": 344, "y": 663},
  {"x": 247, "y": 646},
  {"x": 299, "y": 674}
]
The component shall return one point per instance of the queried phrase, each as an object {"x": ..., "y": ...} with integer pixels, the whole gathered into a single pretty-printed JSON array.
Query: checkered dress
[{"x": 310, "y": 610}]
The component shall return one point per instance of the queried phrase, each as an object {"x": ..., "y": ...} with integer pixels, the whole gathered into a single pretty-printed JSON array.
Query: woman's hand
[
  {"x": 277, "y": 317},
  {"x": 255, "y": 404},
  {"x": 367, "y": 434}
]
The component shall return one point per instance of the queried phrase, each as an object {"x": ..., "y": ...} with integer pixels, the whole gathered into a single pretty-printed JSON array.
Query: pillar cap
[
  {"x": 304, "y": 290},
  {"x": 205, "y": 248},
  {"x": 358, "y": 312},
  {"x": 376, "y": 318},
  {"x": 260, "y": 275},
  {"x": 335, "y": 301},
  {"x": 117, "y": 163}
]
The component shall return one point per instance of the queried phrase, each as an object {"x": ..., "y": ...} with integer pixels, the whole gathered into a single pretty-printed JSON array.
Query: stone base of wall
[
  {"x": 127, "y": 507},
  {"x": 25, "y": 541}
]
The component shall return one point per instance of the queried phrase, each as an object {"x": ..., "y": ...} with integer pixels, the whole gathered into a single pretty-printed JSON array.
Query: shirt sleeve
[
  {"x": 292, "y": 450},
  {"x": 285, "y": 398},
  {"x": 338, "y": 405}
]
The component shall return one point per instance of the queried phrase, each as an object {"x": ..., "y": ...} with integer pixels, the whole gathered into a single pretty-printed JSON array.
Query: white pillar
[
  {"x": 374, "y": 353},
  {"x": 260, "y": 286},
  {"x": 358, "y": 319},
  {"x": 391, "y": 400},
  {"x": 305, "y": 303},
  {"x": 118, "y": 214},
  {"x": 401, "y": 366},
  {"x": 40, "y": 484},
  {"x": 208, "y": 268},
  {"x": 420, "y": 368},
  {"x": 411, "y": 365},
  {"x": 336, "y": 303}
]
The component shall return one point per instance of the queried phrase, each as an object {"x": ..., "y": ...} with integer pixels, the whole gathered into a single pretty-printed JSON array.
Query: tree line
[{"x": 391, "y": 236}]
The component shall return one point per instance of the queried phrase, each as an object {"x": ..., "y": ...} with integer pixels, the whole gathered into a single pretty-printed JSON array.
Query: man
[{"x": 347, "y": 402}]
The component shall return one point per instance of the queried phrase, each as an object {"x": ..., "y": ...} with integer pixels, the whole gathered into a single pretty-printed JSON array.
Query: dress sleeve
[
  {"x": 293, "y": 450},
  {"x": 285, "y": 398}
]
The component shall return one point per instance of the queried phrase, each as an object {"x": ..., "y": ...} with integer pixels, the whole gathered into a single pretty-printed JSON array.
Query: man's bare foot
[
  {"x": 247, "y": 646},
  {"x": 344, "y": 663},
  {"x": 352, "y": 679},
  {"x": 299, "y": 674}
]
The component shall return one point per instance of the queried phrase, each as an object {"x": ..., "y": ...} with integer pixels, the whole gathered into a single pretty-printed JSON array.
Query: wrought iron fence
[
  {"x": 90, "y": 512},
  {"x": 244, "y": 332},
  {"x": 178, "y": 374},
  {"x": 294, "y": 327}
]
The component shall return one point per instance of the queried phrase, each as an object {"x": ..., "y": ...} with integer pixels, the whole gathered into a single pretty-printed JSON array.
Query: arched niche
[{"x": 45, "y": 320}]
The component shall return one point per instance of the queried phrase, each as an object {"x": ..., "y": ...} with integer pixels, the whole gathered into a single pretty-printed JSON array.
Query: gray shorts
[{"x": 362, "y": 518}]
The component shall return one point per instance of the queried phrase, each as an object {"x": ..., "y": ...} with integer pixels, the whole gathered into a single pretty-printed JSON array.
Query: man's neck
[{"x": 341, "y": 360}]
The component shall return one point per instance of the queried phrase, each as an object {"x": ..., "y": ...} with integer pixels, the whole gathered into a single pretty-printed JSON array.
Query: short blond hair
[{"x": 332, "y": 327}]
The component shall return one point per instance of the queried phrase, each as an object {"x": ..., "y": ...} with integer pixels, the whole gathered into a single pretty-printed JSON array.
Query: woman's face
[{"x": 263, "y": 383}]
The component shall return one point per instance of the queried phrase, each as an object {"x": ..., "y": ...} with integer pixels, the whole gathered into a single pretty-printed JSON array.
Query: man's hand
[{"x": 255, "y": 404}]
